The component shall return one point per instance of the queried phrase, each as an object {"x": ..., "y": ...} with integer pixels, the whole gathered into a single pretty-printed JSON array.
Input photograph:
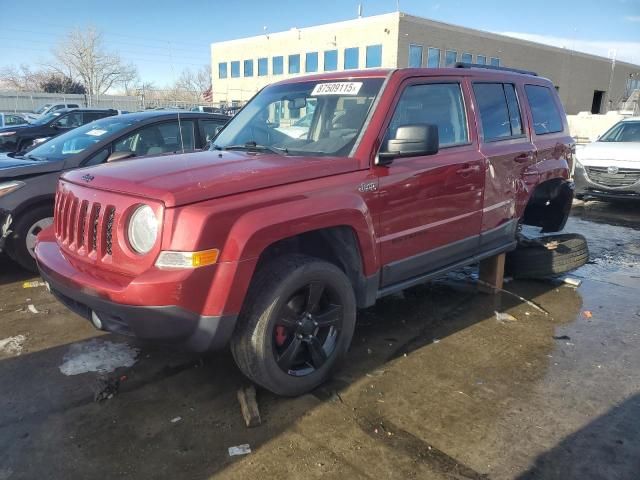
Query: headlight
[
  {"x": 6, "y": 134},
  {"x": 9, "y": 187},
  {"x": 143, "y": 229}
]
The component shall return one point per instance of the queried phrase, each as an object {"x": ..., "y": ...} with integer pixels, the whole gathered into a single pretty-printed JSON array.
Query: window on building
[
  {"x": 374, "y": 56},
  {"x": 545, "y": 113},
  {"x": 433, "y": 57},
  {"x": 499, "y": 111},
  {"x": 263, "y": 67},
  {"x": 277, "y": 66},
  {"x": 466, "y": 58},
  {"x": 435, "y": 104},
  {"x": 222, "y": 70},
  {"x": 415, "y": 56},
  {"x": 235, "y": 69},
  {"x": 311, "y": 62},
  {"x": 248, "y": 68},
  {"x": 481, "y": 60},
  {"x": 330, "y": 60},
  {"x": 495, "y": 62},
  {"x": 450, "y": 58},
  {"x": 294, "y": 63},
  {"x": 351, "y": 58}
]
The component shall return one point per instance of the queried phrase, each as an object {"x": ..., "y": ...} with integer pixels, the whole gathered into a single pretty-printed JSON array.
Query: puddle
[{"x": 97, "y": 356}]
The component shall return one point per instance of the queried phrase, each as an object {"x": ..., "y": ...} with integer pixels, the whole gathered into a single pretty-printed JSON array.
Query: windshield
[
  {"x": 337, "y": 112},
  {"x": 79, "y": 139},
  {"x": 43, "y": 108},
  {"x": 623, "y": 132},
  {"x": 46, "y": 119}
]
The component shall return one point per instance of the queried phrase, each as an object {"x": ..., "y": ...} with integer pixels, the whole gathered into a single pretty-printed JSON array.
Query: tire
[
  {"x": 272, "y": 341},
  {"x": 537, "y": 261},
  {"x": 22, "y": 239}
]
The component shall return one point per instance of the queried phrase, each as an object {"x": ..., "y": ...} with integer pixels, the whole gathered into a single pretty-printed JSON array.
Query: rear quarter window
[{"x": 546, "y": 116}]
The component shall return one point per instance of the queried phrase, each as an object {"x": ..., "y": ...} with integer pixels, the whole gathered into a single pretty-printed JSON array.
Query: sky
[{"x": 164, "y": 37}]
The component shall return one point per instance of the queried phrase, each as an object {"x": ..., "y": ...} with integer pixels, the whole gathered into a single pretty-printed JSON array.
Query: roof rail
[{"x": 492, "y": 67}]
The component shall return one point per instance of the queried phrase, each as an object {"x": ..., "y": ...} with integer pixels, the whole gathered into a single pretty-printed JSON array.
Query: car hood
[
  {"x": 12, "y": 128},
  {"x": 621, "y": 154},
  {"x": 15, "y": 167},
  {"x": 188, "y": 178}
]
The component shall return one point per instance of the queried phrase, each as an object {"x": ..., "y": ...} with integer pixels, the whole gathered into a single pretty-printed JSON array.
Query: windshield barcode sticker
[{"x": 337, "y": 88}]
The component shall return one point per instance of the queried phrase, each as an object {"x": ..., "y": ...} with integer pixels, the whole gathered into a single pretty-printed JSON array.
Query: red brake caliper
[{"x": 281, "y": 335}]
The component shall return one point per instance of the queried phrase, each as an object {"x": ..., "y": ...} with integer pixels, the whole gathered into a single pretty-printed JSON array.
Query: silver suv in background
[{"x": 609, "y": 168}]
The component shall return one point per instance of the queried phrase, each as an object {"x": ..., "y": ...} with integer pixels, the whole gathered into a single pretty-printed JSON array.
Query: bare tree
[
  {"x": 81, "y": 55},
  {"x": 21, "y": 78},
  {"x": 194, "y": 83}
]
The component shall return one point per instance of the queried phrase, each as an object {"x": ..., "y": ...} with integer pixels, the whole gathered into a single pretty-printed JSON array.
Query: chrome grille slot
[
  {"x": 624, "y": 177},
  {"x": 110, "y": 217},
  {"x": 82, "y": 222},
  {"x": 93, "y": 233}
]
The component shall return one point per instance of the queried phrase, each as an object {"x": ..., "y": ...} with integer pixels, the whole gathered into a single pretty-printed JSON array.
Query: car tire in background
[
  {"x": 548, "y": 256},
  {"x": 25, "y": 228},
  {"x": 296, "y": 325}
]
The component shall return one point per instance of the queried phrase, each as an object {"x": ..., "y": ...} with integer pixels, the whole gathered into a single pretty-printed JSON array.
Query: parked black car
[
  {"x": 28, "y": 180},
  {"x": 20, "y": 137}
]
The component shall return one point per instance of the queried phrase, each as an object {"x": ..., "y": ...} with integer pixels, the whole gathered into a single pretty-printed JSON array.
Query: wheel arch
[{"x": 549, "y": 205}]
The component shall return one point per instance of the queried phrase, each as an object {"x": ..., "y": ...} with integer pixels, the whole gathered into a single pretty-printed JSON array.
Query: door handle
[
  {"x": 524, "y": 157},
  {"x": 466, "y": 170}
]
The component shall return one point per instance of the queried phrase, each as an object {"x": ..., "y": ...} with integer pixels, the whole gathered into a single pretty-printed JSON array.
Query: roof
[
  {"x": 148, "y": 114},
  {"x": 631, "y": 119}
]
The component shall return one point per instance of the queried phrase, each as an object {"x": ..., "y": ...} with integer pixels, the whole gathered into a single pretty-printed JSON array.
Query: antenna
[{"x": 173, "y": 71}]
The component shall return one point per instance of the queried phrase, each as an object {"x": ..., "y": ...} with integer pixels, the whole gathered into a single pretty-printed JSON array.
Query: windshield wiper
[{"x": 254, "y": 146}]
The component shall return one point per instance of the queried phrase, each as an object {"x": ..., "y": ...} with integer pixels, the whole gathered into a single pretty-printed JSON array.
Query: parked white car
[
  {"x": 48, "y": 108},
  {"x": 610, "y": 166}
]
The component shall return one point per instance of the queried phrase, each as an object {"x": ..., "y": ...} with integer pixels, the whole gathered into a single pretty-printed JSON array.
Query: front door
[{"x": 430, "y": 207}]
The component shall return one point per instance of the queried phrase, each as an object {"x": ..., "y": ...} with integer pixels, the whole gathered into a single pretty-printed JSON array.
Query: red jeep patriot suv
[{"x": 271, "y": 240}]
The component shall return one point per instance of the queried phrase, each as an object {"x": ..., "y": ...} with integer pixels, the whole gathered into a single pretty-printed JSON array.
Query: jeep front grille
[
  {"x": 84, "y": 226},
  {"x": 624, "y": 177}
]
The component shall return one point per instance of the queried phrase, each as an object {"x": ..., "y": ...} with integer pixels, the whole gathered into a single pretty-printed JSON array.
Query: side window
[
  {"x": 499, "y": 111},
  {"x": 97, "y": 158},
  {"x": 546, "y": 117},
  {"x": 209, "y": 129},
  {"x": 91, "y": 116},
  {"x": 158, "y": 139},
  {"x": 71, "y": 120},
  {"x": 438, "y": 104}
]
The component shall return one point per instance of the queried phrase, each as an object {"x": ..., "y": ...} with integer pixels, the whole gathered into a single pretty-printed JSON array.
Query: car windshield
[
  {"x": 79, "y": 139},
  {"x": 623, "y": 132},
  {"x": 338, "y": 111},
  {"x": 46, "y": 119},
  {"x": 43, "y": 108}
]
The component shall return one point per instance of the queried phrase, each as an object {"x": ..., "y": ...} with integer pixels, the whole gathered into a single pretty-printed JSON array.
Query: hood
[
  {"x": 14, "y": 127},
  {"x": 608, "y": 153},
  {"x": 182, "y": 179},
  {"x": 15, "y": 167}
]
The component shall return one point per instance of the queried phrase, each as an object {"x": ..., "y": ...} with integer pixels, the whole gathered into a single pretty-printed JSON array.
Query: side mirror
[
  {"x": 413, "y": 140},
  {"x": 122, "y": 155}
]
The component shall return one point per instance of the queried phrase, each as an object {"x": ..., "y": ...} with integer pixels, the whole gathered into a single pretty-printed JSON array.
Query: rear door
[
  {"x": 429, "y": 207},
  {"x": 510, "y": 158},
  {"x": 550, "y": 132}
]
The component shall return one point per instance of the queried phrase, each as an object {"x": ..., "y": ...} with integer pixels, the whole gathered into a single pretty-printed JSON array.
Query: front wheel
[
  {"x": 296, "y": 326},
  {"x": 22, "y": 242}
]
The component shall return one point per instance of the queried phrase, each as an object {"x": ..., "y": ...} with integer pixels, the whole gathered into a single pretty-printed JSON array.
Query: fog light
[{"x": 95, "y": 319}]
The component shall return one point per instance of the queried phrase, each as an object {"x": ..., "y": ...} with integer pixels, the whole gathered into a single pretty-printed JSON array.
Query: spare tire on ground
[{"x": 547, "y": 256}]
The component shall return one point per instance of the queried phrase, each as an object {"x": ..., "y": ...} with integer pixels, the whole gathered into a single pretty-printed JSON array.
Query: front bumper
[
  {"x": 587, "y": 188},
  {"x": 167, "y": 324}
]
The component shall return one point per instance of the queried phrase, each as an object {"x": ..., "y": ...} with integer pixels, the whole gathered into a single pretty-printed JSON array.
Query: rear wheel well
[
  {"x": 336, "y": 245},
  {"x": 549, "y": 205}
]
